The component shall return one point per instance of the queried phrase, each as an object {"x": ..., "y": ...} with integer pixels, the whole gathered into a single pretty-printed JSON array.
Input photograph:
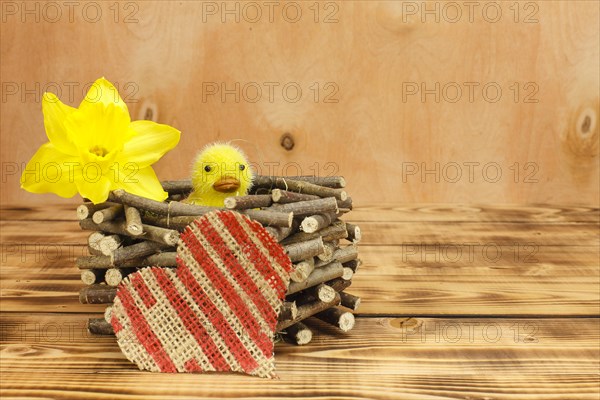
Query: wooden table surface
[{"x": 468, "y": 302}]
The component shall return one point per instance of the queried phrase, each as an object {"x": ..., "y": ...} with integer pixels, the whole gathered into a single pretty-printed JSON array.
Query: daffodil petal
[
  {"x": 150, "y": 143},
  {"x": 55, "y": 113},
  {"x": 94, "y": 187},
  {"x": 142, "y": 182},
  {"x": 51, "y": 171},
  {"x": 99, "y": 128},
  {"x": 103, "y": 92}
]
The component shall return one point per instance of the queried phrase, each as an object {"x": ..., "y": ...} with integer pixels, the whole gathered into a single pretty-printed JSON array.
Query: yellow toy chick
[{"x": 220, "y": 171}]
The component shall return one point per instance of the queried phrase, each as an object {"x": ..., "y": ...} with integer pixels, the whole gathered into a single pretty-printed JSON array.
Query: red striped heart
[{"x": 217, "y": 311}]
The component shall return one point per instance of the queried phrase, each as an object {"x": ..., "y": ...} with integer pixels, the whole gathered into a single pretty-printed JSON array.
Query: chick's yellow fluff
[{"x": 220, "y": 170}]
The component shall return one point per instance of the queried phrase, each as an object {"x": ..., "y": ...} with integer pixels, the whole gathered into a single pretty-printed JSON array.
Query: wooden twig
[
  {"x": 308, "y": 310},
  {"x": 320, "y": 292},
  {"x": 350, "y": 301},
  {"x": 345, "y": 204},
  {"x": 107, "y": 214},
  {"x": 94, "y": 251},
  {"x": 328, "y": 250},
  {"x": 336, "y": 182},
  {"x": 298, "y": 186},
  {"x": 283, "y": 196},
  {"x": 99, "y": 326},
  {"x": 298, "y": 334},
  {"x": 93, "y": 262},
  {"x": 97, "y": 294},
  {"x": 354, "y": 234},
  {"x": 91, "y": 276},
  {"x": 163, "y": 259},
  {"x": 348, "y": 274},
  {"x": 94, "y": 242},
  {"x": 302, "y": 270},
  {"x": 278, "y": 232},
  {"x": 114, "y": 276},
  {"x": 120, "y": 228},
  {"x": 183, "y": 186},
  {"x": 270, "y": 217},
  {"x": 317, "y": 222},
  {"x": 289, "y": 310},
  {"x": 177, "y": 223},
  {"x": 134, "y": 251},
  {"x": 110, "y": 243},
  {"x": 344, "y": 254},
  {"x": 267, "y": 218},
  {"x": 309, "y": 207},
  {"x": 343, "y": 320},
  {"x": 86, "y": 210},
  {"x": 304, "y": 250},
  {"x": 169, "y": 237},
  {"x": 339, "y": 284},
  {"x": 319, "y": 275},
  {"x": 250, "y": 201},
  {"x": 353, "y": 264},
  {"x": 133, "y": 220},
  {"x": 172, "y": 209},
  {"x": 335, "y": 231}
]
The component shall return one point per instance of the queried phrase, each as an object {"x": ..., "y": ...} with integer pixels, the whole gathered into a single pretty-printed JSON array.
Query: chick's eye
[
  {"x": 242, "y": 167},
  {"x": 207, "y": 168}
]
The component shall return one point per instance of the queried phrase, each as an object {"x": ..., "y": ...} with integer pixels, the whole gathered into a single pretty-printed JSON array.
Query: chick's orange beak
[{"x": 226, "y": 184}]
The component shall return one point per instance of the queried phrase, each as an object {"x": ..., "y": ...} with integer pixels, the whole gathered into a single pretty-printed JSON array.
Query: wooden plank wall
[{"x": 385, "y": 89}]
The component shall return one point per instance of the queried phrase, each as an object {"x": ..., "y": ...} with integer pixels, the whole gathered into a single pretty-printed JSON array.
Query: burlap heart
[{"x": 217, "y": 311}]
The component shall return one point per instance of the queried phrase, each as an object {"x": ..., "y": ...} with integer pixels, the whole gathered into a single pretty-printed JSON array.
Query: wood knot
[
  {"x": 583, "y": 132},
  {"x": 287, "y": 141},
  {"x": 148, "y": 111}
]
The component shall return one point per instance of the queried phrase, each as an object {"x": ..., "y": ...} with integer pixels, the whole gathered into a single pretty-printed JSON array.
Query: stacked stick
[{"x": 130, "y": 232}]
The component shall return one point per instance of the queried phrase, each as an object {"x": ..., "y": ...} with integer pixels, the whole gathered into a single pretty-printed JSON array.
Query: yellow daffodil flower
[{"x": 96, "y": 148}]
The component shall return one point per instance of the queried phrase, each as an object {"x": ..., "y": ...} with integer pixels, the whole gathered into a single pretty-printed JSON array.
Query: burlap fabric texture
[{"x": 217, "y": 311}]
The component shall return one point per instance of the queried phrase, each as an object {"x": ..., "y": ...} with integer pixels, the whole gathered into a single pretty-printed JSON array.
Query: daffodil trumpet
[{"x": 96, "y": 148}]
